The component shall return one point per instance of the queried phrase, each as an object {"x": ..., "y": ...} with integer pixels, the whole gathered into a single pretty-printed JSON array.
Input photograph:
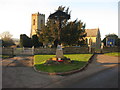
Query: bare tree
[
  {"x": 7, "y": 39},
  {"x": 5, "y": 35}
]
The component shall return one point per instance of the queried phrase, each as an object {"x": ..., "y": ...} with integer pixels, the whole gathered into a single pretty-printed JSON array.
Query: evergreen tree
[
  {"x": 25, "y": 41},
  {"x": 50, "y": 30},
  {"x": 35, "y": 41},
  {"x": 72, "y": 33}
]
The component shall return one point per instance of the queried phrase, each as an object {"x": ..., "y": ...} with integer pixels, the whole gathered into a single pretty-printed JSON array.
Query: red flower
[{"x": 60, "y": 60}]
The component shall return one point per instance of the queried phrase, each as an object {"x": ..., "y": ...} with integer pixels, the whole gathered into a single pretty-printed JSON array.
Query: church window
[
  {"x": 34, "y": 22},
  {"x": 90, "y": 41},
  {"x": 41, "y": 22}
]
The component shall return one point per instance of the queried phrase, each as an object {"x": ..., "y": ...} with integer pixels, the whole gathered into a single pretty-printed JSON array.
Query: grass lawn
[
  {"x": 79, "y": 61},
  {"x": 113, "y": 54},
  {"x": 5, "y": 56}
]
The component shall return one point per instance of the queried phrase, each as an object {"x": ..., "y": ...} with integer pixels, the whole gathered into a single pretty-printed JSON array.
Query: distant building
[
  {"x": 38, "y": 20},
  {"x": 110, "y": 41},
  {"x": 93, "y": 37}
]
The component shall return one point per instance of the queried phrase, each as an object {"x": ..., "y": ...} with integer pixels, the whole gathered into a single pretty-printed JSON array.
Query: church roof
[{"x": 92, "y": 32}]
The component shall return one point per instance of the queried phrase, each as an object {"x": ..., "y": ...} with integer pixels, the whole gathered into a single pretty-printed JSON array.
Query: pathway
[{"x": 18, "y": 72}]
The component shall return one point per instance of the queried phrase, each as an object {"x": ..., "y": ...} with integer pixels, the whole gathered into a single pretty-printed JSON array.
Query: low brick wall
[
  {"x": 7, "y": 51},
  {"x": 66, "y": 50},
  {"x": 111, "y": 49},
  {"x": 75, "y": 50},
  {"x": 44, "y": 51}
]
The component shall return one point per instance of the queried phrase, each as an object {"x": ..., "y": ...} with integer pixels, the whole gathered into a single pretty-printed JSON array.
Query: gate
[{"x": 23, "y": 51}]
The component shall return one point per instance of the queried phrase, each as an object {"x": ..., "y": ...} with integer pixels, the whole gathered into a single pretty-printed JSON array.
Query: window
[
  {"x": 41, "y": 22},
  {"x": 34, "y": 22},
  {"x": 90, "y": 41}
]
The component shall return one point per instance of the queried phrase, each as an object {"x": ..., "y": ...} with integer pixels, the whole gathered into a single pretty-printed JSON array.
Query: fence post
[
  {"x": 90, "y": 49},
  {"x": 33, "y": 50},
  {"x": 12, "y": 52}
]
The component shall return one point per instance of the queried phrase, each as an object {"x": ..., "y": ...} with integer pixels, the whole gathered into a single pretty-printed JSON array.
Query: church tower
[{"x": 38, "y": 20}]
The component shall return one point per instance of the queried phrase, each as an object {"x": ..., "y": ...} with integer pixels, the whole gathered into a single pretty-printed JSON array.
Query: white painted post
[
  {"x": 89, "y": 48},
  {"x": 33, "y": 50}
]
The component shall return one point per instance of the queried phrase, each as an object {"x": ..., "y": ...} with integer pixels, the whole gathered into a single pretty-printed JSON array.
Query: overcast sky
[{"x": 15, "y": 15}]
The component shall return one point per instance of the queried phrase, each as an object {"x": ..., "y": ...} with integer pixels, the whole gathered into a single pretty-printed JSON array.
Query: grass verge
[
  {"x": 79, "y": 61},
  {"x": 6, "y": 56},
  {"x": 113, "y": 54}
]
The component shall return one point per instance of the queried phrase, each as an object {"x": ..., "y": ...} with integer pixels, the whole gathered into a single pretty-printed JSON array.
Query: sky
[{"x": 15, "y": 15}]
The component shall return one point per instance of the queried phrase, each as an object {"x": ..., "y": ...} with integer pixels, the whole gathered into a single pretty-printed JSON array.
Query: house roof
[{"x": 92, "y": 32}]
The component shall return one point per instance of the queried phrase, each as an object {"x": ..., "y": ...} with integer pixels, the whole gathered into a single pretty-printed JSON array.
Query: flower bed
[{"x": 78, "y": 61}]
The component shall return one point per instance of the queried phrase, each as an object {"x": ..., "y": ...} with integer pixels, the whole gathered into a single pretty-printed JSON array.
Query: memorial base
[{"x": 59, "y": 54}]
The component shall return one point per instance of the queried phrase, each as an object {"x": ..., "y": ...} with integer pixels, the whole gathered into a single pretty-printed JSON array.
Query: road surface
[
  {"x": 104, "y": 79},
  {"x": 18, "y": 72}
]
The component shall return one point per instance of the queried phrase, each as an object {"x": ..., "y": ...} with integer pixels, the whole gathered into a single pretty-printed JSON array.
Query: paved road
[
  {"x": 103, "y": 79},
  {"x": 19, "y": 73}
]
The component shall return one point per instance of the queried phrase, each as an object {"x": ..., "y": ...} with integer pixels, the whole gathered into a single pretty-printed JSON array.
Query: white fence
[
  {"x": 17, "y": 51},
  {"x": 23, "y": 51}
]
